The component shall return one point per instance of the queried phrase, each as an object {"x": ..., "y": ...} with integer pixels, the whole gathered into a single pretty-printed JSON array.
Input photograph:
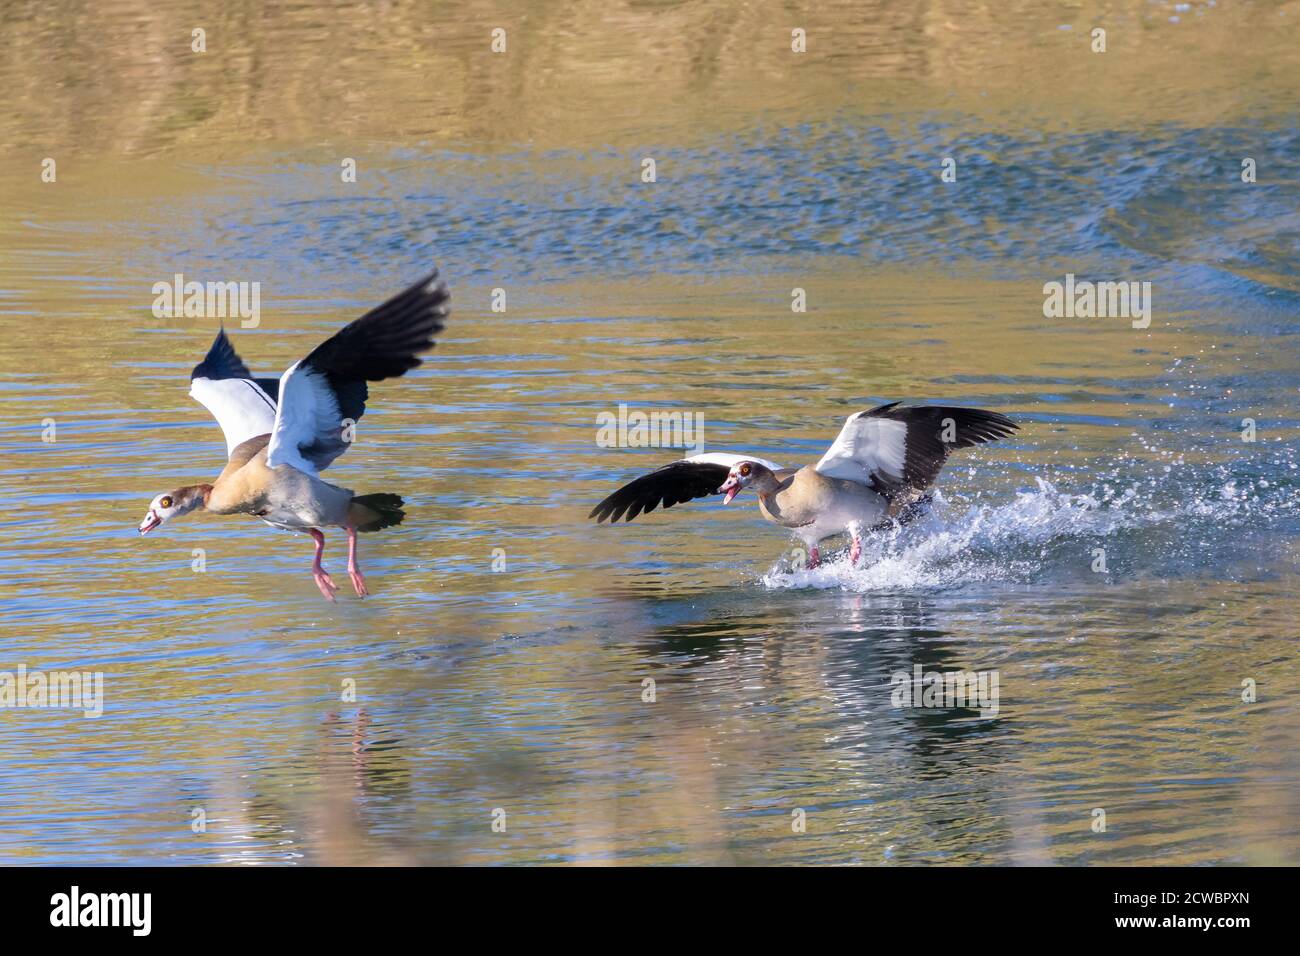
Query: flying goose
[
  {"x": 280, "y": 435},
  {"x": 878, "y": 468}
]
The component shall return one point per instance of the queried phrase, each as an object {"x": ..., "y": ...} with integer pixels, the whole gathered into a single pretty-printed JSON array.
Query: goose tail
[{"x": 375, "y": 512}]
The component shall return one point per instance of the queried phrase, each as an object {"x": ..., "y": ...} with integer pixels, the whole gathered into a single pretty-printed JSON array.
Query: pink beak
[
  {"x": 150, "y": 522},
  {"x": 732, "y": 487}
]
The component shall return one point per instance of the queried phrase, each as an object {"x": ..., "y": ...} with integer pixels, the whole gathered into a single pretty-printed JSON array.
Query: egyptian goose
[
  {"x": 878, "y": 468},
  {"x": 280, "y": 435}
]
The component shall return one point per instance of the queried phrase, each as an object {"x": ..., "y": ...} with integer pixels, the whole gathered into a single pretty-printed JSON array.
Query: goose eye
[
  {"x": 166, "y": 501},
  {"x": 745, "y": 470}
]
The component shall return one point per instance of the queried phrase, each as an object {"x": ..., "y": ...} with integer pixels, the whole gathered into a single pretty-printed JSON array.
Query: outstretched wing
[
  {"x": 325, "y": 391},
  {"x": 241, "y": 404},
  {"x": 678, "y": 481},
  {"x": 893, "y": 448}
]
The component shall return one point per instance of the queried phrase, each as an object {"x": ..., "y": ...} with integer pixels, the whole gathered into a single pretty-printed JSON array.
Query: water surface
[{"x": 523, "y": 688}]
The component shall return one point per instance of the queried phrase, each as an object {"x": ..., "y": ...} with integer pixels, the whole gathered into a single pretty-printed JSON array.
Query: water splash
[{"x": 1046, "y": 534}]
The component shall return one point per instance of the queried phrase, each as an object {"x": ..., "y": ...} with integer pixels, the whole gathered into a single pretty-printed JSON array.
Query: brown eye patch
[
  {"x": 166, "y": 501},
  {"x": 745, "y": 469}
]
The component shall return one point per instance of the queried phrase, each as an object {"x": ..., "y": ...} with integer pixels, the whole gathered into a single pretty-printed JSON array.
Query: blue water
[
  {"x": 523, "y": 689},
  {"x": 1167, "y": 204}
]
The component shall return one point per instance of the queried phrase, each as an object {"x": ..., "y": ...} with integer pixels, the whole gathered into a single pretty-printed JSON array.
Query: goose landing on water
[
  {"x": 878, "y": 468},
  {"x": 281, "y": 434}
]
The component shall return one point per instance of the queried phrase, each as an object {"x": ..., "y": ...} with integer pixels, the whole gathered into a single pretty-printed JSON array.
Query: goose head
[
  {"x": 744, "y": 474},
  {"x": 167, "y": 506}
]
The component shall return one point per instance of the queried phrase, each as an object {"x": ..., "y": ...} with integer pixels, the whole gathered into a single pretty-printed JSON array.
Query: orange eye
[
  {"x": 745, "y": 470},
  {"x": 166, "y": 501}
]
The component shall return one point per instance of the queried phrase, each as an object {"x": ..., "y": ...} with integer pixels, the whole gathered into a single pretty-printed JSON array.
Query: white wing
[
  {"x": 683, "y": 480},
  {"x": 867, "y": 448},
  {"x": 893, "y": 446},
  {"x": 723, "y": 458},
  {"x": 308, "y": 428},
  {"x": 239, "y": 405},
  {"x": 323, "y": 393}
]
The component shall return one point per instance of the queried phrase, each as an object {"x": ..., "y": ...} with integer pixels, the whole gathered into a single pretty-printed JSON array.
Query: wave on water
[
  {"x": 1049, "y": 535},
  {"x": 850, "y": 188}
]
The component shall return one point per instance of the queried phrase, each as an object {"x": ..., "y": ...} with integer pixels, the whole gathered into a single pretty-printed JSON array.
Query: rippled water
[{"x": 524, "y": 688}]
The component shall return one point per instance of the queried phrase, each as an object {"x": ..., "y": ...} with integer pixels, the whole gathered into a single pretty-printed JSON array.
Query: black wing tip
[
  {"x": 983, "y": 424},
  {"x": 979, "y": 425},
  {"x": 432, "y": 289},
  {"x": 387, "y": 341},
  {"x": 671, "y": 484},
  {"x": 613, "y": 513},
  {"x": 878, "y": 411},
  {"x": 222, "y": 361},
  {"x": 610, "y": 505},
  {"x": 435, "y": 286}
]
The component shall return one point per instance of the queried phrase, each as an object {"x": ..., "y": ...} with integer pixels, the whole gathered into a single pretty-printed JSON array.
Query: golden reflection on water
[
  {"x": 523, "y": 691},
  {"x": 121, "y": 78}
]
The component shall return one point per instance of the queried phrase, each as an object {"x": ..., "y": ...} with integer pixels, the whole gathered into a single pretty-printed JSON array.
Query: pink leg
[
  {"x": 354, "y": 572},
  {"x": 814, "y": 558},
  {"x": 855, "y": 549},
  {"x": 323, "y": 580}
]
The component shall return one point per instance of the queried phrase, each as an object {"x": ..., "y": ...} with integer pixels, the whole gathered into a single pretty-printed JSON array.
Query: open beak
[
  {"x": 732, "y": 487},
  {"x": 150, "y": 522}
]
